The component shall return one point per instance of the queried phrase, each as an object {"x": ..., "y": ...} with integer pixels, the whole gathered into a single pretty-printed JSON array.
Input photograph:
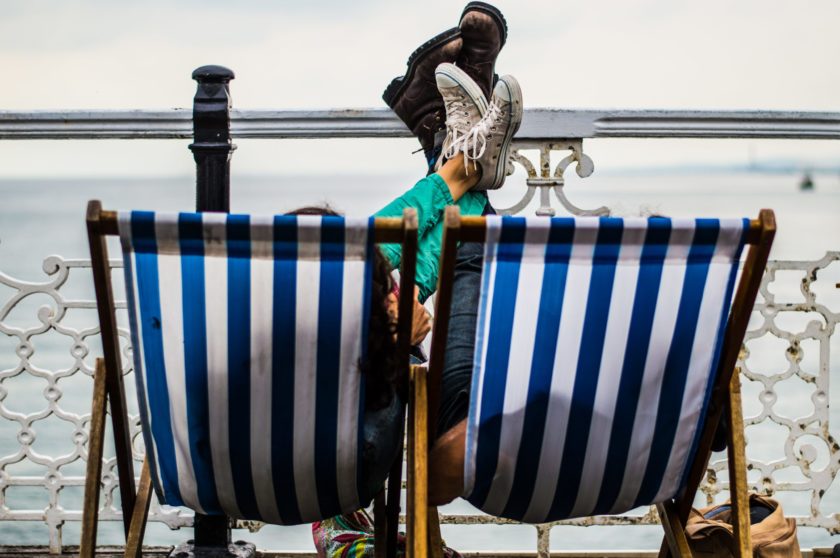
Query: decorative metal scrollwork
[
  {"x": 60, "y": 418},
  {"x": 547, "y": 180}
]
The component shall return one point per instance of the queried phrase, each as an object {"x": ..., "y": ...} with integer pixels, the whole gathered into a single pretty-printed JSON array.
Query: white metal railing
[{"x": 537, "y": 124}]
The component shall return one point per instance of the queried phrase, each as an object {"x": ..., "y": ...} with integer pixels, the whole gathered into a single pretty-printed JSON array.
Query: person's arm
[{"x": 449, "y": 186}]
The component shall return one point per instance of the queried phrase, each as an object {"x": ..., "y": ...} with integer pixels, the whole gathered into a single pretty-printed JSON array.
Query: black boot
[
  {"x": 415, "y": 98},
  {"x": 484, "y": 32}
]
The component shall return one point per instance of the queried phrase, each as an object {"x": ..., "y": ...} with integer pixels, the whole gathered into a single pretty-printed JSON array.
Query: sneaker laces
[
  {"x": 473, "y": 144},
  {"x": 457, "y": 120}
]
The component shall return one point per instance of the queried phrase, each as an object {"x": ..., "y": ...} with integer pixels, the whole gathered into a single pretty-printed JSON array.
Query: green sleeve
[{"x": 429, "y": 197}]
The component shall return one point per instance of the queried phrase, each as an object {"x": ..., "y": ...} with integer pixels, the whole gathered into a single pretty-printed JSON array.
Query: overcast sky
[{"x": 67, "y": 54}]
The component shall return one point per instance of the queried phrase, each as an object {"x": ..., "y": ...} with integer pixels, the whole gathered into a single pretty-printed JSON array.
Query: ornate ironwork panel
[{"x": 45, "y": 397}]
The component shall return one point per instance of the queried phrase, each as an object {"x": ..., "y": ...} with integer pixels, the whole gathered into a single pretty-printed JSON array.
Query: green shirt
[{"x": 429, "y": 197}]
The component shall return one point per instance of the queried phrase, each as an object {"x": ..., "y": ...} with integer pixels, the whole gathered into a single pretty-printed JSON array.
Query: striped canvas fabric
[
  {"x": 247, "y": 334},
  {"x": 596, "y": 348}
]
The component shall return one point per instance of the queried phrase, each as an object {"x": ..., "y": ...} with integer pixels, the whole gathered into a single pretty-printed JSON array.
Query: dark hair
[{"x": 380, "y": 366}]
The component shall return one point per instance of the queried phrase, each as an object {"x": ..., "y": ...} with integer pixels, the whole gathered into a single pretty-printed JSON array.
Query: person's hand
[
  {"x": 421, "y": 321},
  {"x": 392, "y": 307}
]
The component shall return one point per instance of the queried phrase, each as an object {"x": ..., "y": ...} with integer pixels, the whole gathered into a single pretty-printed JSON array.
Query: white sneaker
[
  {"x": 465, "y": 106},
  {"x": 487, "y": 145}
]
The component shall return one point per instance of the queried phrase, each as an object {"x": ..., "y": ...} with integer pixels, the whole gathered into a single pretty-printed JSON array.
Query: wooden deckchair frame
[
  {"x": 726, "y": 393},
  {"x": 109, "y": 391}
]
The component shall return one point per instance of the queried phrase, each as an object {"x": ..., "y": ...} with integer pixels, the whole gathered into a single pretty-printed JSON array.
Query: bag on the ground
[{"x": 710, "y": 531}]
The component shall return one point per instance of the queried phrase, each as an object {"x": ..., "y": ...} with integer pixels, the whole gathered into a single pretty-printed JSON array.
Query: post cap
[{"x": 213, "y": 74}]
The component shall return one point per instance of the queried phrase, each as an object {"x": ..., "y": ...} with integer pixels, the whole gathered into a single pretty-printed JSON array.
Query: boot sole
[
  {"x": 493, "y": 12},
  {"x": 516, "y": 111},
  {"x": 398, "y": 84}
]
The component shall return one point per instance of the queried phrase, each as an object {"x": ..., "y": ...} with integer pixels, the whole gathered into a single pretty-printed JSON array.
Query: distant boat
[{"x": 807, "y": 183}]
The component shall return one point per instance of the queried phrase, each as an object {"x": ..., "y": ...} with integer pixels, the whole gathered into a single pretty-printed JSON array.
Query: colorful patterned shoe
[{"x": 351, "y": 536}]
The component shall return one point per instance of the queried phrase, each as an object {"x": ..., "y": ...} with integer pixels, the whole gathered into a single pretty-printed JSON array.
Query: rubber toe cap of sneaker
[
  {"x": 443, "y": 78},
  {"x": 502, "y": 91}
]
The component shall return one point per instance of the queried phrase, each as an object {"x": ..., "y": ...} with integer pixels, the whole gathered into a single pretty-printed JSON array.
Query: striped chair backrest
[
  {"x": 597, "y": 346},
  {"x": 247, "y": 335}
]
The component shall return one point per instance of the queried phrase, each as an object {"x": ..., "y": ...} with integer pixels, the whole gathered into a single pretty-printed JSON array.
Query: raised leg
[
  {"x": 96, "y": 439},
  {"x": 134, "y": 541},
  {"x": 738, "y": 491}
]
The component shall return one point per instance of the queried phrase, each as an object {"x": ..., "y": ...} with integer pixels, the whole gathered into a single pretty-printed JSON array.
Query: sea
[{"x": 44, "y": 217}]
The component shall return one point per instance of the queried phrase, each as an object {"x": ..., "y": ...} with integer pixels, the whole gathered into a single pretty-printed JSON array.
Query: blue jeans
[{"x": 460, "y": 341}]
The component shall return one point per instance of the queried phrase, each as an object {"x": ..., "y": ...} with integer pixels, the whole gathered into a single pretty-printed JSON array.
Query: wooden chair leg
[
  {"x": 111, "y": 357},
  {"x": 134, "y": 541},
  {"x": 93, "y": 474},
  {"x": 392, "y": 503},
  {"x": 418, "y": 469},
  {"x": 409, "y": 470},
  {"x": 739, "y": 493},
  {"x": 674, "y": 530},
  {"x": 379, "y": 525},
  {"x": 435, "y": 540}
]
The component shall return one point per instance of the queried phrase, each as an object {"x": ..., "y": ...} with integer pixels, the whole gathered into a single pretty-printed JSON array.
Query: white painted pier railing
[
  {"x": 537, "y": 124},
  {"x": 808, "y": 457}
]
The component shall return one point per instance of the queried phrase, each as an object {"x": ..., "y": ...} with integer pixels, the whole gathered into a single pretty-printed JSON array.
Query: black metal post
[
  {"x": 211, "y": 145},
  {"x": 212, "y": 531},
  {"x": 212, "y": 149}
]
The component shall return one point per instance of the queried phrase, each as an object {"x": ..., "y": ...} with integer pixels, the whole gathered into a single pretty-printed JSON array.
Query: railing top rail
[{"x": 539, "y": 124}]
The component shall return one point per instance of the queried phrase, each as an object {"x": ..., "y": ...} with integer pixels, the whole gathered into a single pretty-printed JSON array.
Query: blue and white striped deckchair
[
  {"x": 598, "y": 347},
  {"x": 247, "y": 335}
]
